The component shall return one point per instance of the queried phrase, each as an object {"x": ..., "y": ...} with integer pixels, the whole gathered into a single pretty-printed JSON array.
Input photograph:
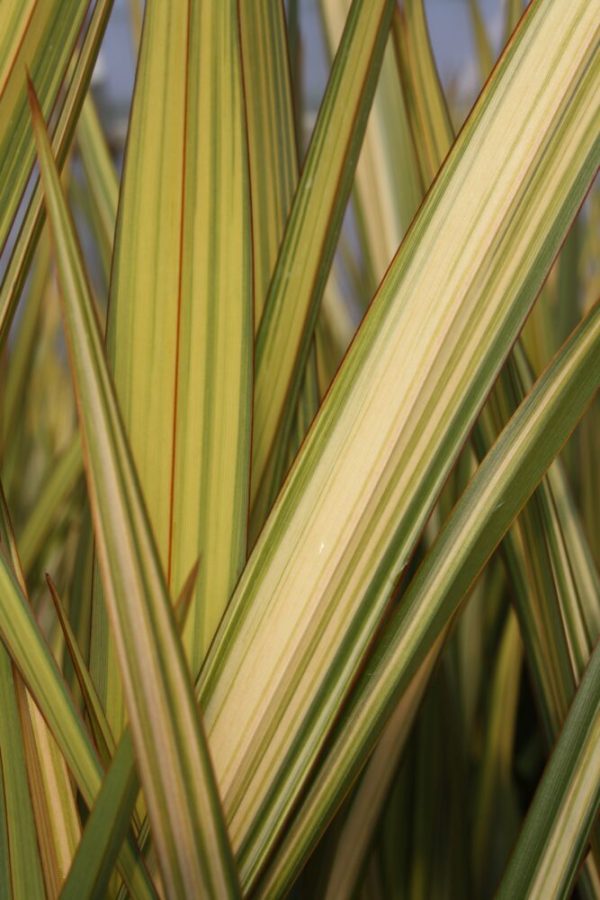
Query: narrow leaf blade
[
  {"x": 183, "y": 803},
  {"x": 502, "y": 485}
]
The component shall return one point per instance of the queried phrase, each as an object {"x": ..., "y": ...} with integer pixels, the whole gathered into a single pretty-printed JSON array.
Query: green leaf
[
  {"x": 575, "y": 577},
  {"x": 46, "y": 52},
  {"x": 555, "y": 547},
  {"x": 103, "y": 736},
  {"x": 545, "y": 861},
  {"x": 180, "y": 315},
  {"x": 430, "y": 120},
  {"x": 356, "y": 835},
  {"x": 387, "y": 188},
  {"x": 105, "y": 829},
  {"x": 5, "y": 885},
  {"x": 553, "y": 582},
  {"x": 513, "y": 12},
  {"x": 22, "y": 355},
  {"x": 353, "y": 506},
  {"x": 485, "y": 53},
  {"x": 183, "y": 804},
  {"x": 555, "y": 587},
  {"x": 498, "y": 491},
  {"x": 52, "y": 801},
  {"x": 273, "y": 166},
  {"x": 272, "y": 153},
  {"x": 30, "y": 653},
  {"x": 549, "y": 627},
  {"x": 101, "y": 178},
  {"x": 116, "y": 800},
  {"x": 284, "y": 337},
  {"x": 14, "y": 21},
  {"x": 23, "y": 865},
  {"x": 495, "y": 785},
  {"x": 43, "y": 44},
  {"x": 50, "y": 504}
]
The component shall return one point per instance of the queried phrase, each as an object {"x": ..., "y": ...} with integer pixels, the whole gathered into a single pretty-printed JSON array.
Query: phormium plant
[{"x": 299, "y": 590}]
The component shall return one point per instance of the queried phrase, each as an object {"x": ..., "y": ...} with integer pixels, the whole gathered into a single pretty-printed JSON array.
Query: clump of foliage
[{"x": 299, "y": 586}]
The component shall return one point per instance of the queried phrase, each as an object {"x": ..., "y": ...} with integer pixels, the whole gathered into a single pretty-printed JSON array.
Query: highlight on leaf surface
[{"x": 183, "y": 804}]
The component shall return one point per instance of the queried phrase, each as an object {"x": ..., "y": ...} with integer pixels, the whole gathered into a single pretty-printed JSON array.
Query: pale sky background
[{"x": 448, "y": 22}]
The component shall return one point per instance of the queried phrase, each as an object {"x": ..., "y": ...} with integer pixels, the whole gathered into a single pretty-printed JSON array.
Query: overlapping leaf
[
  {"x": 46, "y": 49},
  {"x": 358, "y": 496},
  {"x": 183, "y": 804},
  {"x": 500, "y": 488},
  {"x": 284, "y": 337},
  {"x": 179, "y": 331},
  {"x": 545, "y": 861},
  {"x": 32, "y": 656}
]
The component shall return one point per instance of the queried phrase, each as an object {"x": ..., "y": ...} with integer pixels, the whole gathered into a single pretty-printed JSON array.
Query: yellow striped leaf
[
  {"x": 23, "y": 865},
  {"x": 431, "y": 345},
  {"x": 105, "y": 829},
  {"x": 57, "y": 828},
  {"x": 387, "y": 189},
  {"x": 180, "y": 314},
  {"x": 46, "y": 50},
  {"x": 483, "y": 47},
  {"x": 32, "y": 656},
  {"x": 42, "y": 44},
  {"x": 356, "y": 835},
  {"x": 538, "y": 568},
  {"x": 284, "y": 337},
  {"x": 550, "y": 847},
  {"x": 272, "y": 152},
  {"x": 171, "y": 751},
  {"x": 498, "y": 491},
  {"x": 101, "y": 178}
]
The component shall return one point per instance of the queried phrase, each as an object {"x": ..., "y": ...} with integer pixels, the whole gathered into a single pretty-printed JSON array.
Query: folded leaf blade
[
  {"x": 180, "y": 315},
  {"x": 173, "y": 760}
]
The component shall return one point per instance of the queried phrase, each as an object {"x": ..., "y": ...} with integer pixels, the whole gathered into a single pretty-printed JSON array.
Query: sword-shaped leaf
[
  {"x": 51, "y": 799},
  {"x": 179, "y": 332},
  {"x": 23, "y": 866},
  {"x": 284, "y": 336},
  {"x": 272, "y": 152},
  {"x": 498, "y": 491},
  {"x": 105, "y": 829},
  {"x": 43, "y": 43},
  {"x": 550, "y": 847},
  {"x": 101, "y": 178},
  {"x": 46, "y": 48},
  {"x": 173, "y": 759},
  {"x": 429, "y": 349},
  {"x": 31, "y": 655}
]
